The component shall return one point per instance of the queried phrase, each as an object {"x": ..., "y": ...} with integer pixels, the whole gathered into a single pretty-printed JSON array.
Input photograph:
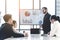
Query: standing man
[{"x": 46, "y": 21}]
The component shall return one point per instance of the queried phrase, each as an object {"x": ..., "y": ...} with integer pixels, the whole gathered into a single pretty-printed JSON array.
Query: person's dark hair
[
  {"x": 44, "y": 8},
  {"x": 6, "y": 17},
  {"x": 58, "y": 18},
  {"x": 14, "y": 22},
  {"x": 54, "y": 17}
]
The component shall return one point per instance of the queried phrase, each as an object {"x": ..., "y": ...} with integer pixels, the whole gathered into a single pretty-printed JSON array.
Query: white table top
[{"x": 35, "y": 37}]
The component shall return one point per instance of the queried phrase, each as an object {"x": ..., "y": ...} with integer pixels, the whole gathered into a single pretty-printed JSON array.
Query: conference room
[{"x": 29, "y": 17}]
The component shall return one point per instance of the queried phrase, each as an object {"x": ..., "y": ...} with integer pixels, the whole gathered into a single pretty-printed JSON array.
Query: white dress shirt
[{"x": 55, "y": 29}]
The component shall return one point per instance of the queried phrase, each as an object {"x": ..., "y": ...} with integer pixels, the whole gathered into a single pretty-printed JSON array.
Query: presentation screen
[{"x": 31, "y": 17}]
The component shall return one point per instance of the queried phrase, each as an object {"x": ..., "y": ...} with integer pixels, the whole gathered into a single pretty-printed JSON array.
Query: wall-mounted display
[{"x": 31, "y": 17}]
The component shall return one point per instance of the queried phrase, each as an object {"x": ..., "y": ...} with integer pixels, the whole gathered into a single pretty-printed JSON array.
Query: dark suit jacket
[
  {"x": 46, "y": 23},
  {"x": 6, "y": 31}
]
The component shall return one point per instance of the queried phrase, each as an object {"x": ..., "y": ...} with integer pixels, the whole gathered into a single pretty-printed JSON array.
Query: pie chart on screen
[{"x": 27, "y": 13}]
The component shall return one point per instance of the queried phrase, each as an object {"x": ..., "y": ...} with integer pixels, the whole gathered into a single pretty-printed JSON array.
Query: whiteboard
[{"x": 31, "y": 17}]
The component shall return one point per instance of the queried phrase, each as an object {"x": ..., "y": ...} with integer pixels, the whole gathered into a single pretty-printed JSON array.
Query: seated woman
[
  {"x": 55, "y": 26},
  {"x": 14, "y": 28},
  {"x": 14, "y": 25}
]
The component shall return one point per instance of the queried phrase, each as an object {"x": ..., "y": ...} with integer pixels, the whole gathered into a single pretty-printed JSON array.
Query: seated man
[{"x": 6, "y": 30}]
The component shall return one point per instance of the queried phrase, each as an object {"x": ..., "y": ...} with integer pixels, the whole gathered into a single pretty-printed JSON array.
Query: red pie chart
[{"x": 27, "y": 13}]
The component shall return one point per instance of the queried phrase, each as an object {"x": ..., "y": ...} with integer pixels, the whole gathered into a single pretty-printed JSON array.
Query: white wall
[
  {"x": 2, "y": 11},
  {"x": 13, "y": 9}
]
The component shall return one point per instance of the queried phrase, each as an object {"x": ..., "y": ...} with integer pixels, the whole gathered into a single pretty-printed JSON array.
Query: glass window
[
  {"x": 25, "y": 26},
  {"x": 13, "y": 9},
  {"x": 2, "y": 11},
  {"x": 26, "y": 4},
  {"x": 58, "y": 8},
  {"x": 50, "y": 4},
  {"x": 36, "y": 4}
]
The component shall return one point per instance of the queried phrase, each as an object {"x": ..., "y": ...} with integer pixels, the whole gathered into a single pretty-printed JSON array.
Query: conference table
[{"x": 35, "y": 37}]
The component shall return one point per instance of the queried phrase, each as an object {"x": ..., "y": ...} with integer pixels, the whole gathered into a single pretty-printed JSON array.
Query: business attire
[
  {"x": 46, "y": 23},
  {"x": 6, "y": 31},
  {"x": 55, "y": 29}
]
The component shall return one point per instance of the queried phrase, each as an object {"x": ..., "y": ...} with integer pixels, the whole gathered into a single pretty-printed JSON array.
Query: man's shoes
[
  {"x": 54, "y": 35},
  {"x": 44, "y": 35}
]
